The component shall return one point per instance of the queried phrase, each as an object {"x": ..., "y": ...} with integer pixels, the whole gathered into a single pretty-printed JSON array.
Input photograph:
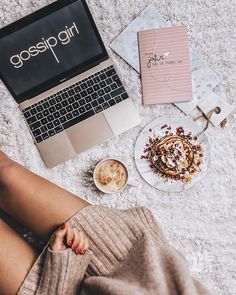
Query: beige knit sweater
[{"x": 128, "y": 256}]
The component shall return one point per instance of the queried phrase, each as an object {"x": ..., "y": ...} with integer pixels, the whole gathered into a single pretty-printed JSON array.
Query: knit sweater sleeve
[{"x": 62, "y": 272}]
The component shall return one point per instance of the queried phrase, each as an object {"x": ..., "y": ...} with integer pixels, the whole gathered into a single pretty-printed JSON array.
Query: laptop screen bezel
[{"x": 13, "y": 27}]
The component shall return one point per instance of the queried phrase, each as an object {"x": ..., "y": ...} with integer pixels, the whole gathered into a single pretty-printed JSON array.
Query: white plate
[{"x": 143, "y": 165}]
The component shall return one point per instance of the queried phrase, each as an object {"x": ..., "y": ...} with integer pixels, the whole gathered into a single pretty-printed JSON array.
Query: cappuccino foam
[{"x": 111, "y": 176}]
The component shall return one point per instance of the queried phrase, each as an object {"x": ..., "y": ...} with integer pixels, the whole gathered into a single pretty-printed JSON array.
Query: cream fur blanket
[{"x": 200, "y": 222}]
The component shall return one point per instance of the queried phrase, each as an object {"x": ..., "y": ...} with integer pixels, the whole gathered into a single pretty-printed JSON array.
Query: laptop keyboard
[{"x": 75, "y": 103}]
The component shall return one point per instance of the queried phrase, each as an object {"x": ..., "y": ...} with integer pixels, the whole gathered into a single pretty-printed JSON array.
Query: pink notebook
[{"x": 165, "y": 65}]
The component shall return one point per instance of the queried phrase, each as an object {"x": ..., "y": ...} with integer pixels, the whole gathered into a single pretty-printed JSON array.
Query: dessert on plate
[{"x": 174, "y": 156}]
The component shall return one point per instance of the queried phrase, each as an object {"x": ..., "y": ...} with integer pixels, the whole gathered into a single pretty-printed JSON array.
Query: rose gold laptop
[{"x": 55, "y": 65}]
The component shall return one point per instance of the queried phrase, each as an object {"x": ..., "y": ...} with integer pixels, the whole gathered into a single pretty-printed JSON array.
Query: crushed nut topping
[{"x": 175, "y": 155}]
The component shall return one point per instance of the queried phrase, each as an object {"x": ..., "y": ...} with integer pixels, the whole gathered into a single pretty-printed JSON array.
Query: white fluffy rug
[{"x": 200, "y": 222}]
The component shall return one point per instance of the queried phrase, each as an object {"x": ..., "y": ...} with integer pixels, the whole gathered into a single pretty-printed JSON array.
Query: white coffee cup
[{"x": 101, "y": 187}]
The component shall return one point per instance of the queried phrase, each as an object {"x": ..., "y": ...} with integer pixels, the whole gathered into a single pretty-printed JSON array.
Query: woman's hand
[{"x": 66, "y": 236}]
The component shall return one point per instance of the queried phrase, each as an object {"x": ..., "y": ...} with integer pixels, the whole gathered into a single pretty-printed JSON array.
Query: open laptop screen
[{"x": 50, "y": 48}]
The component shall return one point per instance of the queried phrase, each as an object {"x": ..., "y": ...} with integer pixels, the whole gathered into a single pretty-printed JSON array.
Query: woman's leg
[
  {"x": 16, "y": 259},
  {"x": 33, "y": 201}
]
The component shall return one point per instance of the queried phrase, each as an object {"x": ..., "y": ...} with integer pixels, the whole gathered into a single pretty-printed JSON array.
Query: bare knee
[
  {"x": 4, "y": 160},
  {"x": 3, "y": 225},
  {"x": 7, "y": 169}
]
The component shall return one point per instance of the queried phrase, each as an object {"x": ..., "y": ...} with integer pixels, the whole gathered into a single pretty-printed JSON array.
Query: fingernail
[
  {"x": 63, "y": 226},
  {"x": 83, "y": 251},
  {"x": 78, "y": 251},
  {"x": 70, "y": 242},
  {"x": 74, "y": 248}
]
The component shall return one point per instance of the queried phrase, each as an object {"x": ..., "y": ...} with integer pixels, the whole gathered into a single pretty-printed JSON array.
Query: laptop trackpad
[
  {"x": 56, "y": 150},
  {"x": 90, "y": 132},
  {"x": 122, "y": 116}
]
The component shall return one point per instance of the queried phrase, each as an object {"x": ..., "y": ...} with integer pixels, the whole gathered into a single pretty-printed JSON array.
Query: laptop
[{"x": 56, "y": 67}]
